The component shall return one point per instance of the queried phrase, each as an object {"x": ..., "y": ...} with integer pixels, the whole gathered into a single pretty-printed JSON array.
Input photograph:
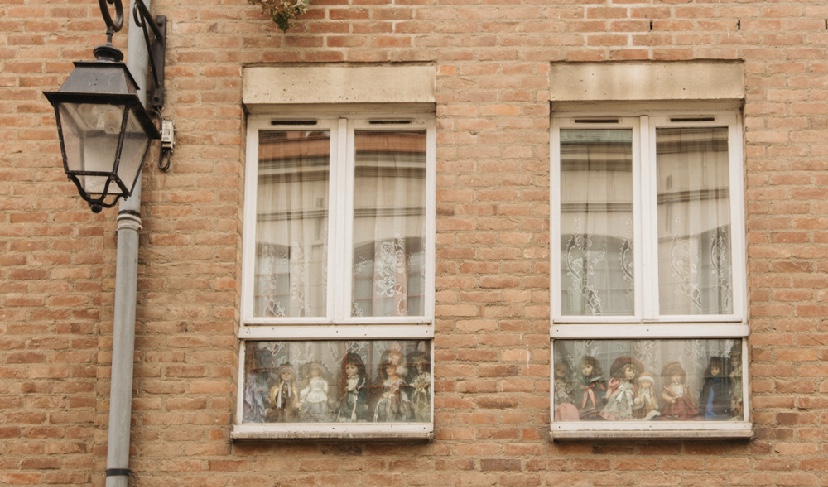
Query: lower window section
[
  {"x": 309, "y": 383},
  {"x": 645, "y": 386}
]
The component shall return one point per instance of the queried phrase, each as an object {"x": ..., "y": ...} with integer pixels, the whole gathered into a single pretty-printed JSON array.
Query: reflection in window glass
[
  {"x": 695, "y": 275},
  {"x": 292, "y": 223},
  {"x": 648, "y": 380},
  {"x": 374, "y": 381},
  {"x": 596, "y": 222}
]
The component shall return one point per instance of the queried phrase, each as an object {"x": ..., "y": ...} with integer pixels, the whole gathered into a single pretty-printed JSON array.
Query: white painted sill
[
  {"x": 334, "y": 431},
  {"x": 646, "y": 430}
]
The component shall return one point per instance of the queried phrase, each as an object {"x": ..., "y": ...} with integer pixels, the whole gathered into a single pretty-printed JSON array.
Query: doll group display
[
  {"x": 631, "y": 393},
  {"x": 400, "y": 392}
]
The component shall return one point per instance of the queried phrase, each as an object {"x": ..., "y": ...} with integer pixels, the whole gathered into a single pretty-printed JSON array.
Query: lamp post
[{"x": 105, "y": 133}]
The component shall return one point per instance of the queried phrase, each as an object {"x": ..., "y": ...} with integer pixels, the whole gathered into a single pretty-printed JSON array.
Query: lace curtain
[
  {"x": 388, "y": 223},
  {"x": 694, "y": 249}
]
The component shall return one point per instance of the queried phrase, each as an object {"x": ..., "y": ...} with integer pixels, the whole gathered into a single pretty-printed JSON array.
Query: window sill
[
  {"x": 334, "y": 431},
  {"x": 651, "y": 431}
]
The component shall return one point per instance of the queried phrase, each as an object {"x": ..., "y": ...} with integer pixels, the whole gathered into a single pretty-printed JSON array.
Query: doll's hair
[
  {"x": 671, "y": 369},
  {"x": 286, "y": 367},
  {"x": 719, "y": 362},
  {"x": 592, "y": 361},
  {"x": 623, "y": 362},
  {"x": 306, "y": 373},
  {"x": 735, "y": 354},
  {"x": 391, "y": 358}
]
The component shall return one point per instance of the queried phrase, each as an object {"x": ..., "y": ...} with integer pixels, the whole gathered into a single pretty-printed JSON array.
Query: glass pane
[
  {"x": 648, "y": 380},
  {"x": 373, "y": 381},
  {"x": 292, "y": 224},
  {"x": 389, "y": 223},
  {"x": 90, "y": 138},
  {"x": 133, "y": 151},
  {"x": 596, "y": 222},
  {"x": 694, "y": 246}
]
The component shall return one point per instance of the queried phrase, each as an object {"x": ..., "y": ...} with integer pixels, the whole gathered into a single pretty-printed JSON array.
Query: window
[
  {"x": 648, "y": 276},
  {"x": 338, "y": 300}
]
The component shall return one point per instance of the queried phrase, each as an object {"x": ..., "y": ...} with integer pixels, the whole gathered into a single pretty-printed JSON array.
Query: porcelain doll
[
  {"x": 565, "y": 409},
  {"x": 736, "y": 384},
  {"x": 645, "y": 402},
  {"x": 394, "y": 404},
  {"x": 284, "y": 397},
  {"x": 421, "y": 388},
  {"x": 353, "y": 404},
  {"x": 622, "y": 389},
  {"x": 714, "y": 399},
  {"x": 590, "y": 389},
  {"x": 313, "y": 398},
  {"x": 677, "y": 402}
]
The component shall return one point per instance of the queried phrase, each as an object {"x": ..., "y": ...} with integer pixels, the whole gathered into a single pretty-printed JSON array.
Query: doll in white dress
[{"x": 313, "y": 398}]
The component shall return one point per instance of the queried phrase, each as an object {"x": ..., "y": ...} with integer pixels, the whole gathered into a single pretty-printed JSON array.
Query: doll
[
  {"x": 736, "y": 384},
  {"x": 394, "y": 404},
  {"x": 565, "y": 410},
  {"x": 284, "y": 399},
  {"x": 353, "y": 405},
  {"x": 645, "y": 404},
  {"x": 421, "y": 384},
  {"x": 589, "y": 394},
  {"x": 622, "y": 389},
  {"x": 714, "y": 398},
  {"x": 677, "y": 403},
  {"x": 313, "y": 398},
  {"x": 255, "y": 397}
]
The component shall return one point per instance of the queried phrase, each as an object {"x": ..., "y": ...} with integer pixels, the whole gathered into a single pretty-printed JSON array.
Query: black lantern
[{"x": 104, "y": 130}]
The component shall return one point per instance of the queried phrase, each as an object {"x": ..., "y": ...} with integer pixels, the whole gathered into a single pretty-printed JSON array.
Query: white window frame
[
  {"x": 338, "y": 324},
  {"x": 646, "y": 323}
]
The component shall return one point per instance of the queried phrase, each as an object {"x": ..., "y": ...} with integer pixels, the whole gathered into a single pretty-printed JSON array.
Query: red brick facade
[{"x": 492, "y": 342}]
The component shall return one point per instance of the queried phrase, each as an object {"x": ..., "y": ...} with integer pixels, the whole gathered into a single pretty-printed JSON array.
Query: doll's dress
[
  {"x": 353, "y": 403},
  {"x": 619, "y": 402},
  {"x": 315, "y": 399},
  {"x": 590, "y": 395},
  {"x": 715, "y": 398},
  {"x": 283, "y": 399},
  {"x": 254, "y": 399},
  {"x": 682, "y": 408},
  {"x": 394, "y": 404},
  {"x": 421, "y": 397},
  {"x": 564, "y": 409},
  {"x": 649, "y": 405}
]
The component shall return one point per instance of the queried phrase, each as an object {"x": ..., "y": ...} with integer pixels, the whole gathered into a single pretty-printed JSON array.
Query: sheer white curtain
[
  {"x": 596, "y": 222},
  {"x": 694, "y": 246},
  {"x": 292, "y": 223},
  {"x": 389, "y": 223}
]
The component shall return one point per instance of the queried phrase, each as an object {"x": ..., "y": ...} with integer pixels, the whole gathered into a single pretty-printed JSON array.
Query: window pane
[
  {"x": 648, "y": 380},
  {"x": 694, "y": 246},
  {"x": 596, "y": 222},
  {"x": 292, "y": 223},
  {"x": 374, "y": 381},
  {"x": 389, "y": 223}
]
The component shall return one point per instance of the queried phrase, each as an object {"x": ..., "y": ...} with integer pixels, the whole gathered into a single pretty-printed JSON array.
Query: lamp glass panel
[
  {"x": 136, "y": 141},
  {"x": 90, "y": 136}
]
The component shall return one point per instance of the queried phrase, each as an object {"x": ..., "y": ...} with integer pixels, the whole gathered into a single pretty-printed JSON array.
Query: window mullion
[
  {"x": 648, "y": 216},
  {"x": 341, "y": 208}
]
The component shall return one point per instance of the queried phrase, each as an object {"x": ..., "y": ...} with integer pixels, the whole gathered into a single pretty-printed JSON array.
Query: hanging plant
[{"x": 282, "y": 11}]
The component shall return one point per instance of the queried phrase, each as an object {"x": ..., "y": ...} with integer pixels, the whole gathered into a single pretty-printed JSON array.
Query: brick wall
[{"x": 492, "y": 328}]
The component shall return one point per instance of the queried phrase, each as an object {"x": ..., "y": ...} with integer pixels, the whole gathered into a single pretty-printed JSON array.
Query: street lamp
[{"x": 104, "y": 129}]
